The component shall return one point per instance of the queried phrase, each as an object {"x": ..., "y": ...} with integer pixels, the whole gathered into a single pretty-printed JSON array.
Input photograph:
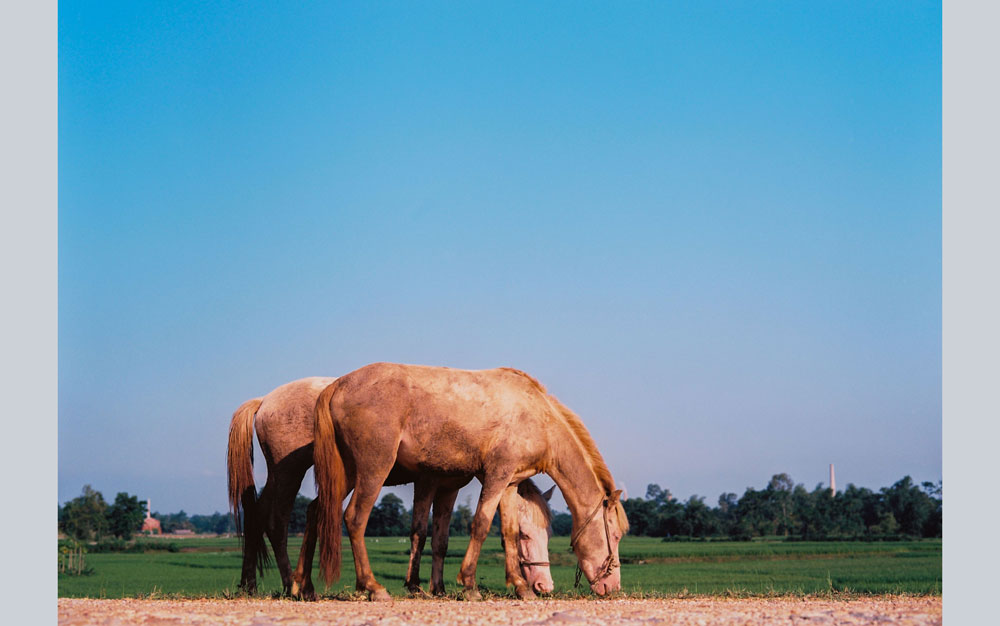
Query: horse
[
  {"x": 283, "y": 420},
  {"x": 500, "y": 425}
]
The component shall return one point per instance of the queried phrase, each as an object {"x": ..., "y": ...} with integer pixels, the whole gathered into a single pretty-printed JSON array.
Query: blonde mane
[
  {"x": 597, "y": 464},
  {"x": 533, "y": 504},
  {"x": 596, "y": 461}
]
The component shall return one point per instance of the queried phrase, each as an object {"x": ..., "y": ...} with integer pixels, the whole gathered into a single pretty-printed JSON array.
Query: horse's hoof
[
  {"x": 309, "y": 594},
  {"x": 416, "y": 591},
  {"x": 379, "y": 595},
  {"x": 526, "y": 594},
  {"x": 472, "y": 595}
]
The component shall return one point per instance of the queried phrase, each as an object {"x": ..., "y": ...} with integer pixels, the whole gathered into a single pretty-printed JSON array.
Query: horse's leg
[
  {"x": 302, "y": 584},
  {"x": 367, "y": 486},
  {"x": 510, "y": 528},
  {"x": 444, "y": 502},
  {"x": 423, "y": 492},
  {"x": 489, "y": 498},
  {"x": 286, "y": 488},
  {"x": 253, "y": 534}
]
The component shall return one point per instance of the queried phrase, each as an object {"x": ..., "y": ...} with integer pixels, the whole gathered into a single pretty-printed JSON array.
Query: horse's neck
[{"x": 574, "y": 475}]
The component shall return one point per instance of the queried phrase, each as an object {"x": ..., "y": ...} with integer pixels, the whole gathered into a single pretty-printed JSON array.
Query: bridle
[
  {"x": 521, "y": 561},
  {"x": 609, "y": 563}
]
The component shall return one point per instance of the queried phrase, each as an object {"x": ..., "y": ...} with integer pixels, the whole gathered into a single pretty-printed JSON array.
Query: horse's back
[
  {"x": 442, "y": 419},
  {"x": 284, "y": 421}
]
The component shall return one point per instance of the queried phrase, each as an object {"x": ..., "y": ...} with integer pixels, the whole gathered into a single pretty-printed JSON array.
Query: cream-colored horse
[
  {"x": 284, "y": 424},
  {"x": 499, "y": 425}
]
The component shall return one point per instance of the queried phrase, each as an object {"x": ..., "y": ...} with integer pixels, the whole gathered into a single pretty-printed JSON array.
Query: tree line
[
  {"x": 782, "y": 508},
  {"x": 88, "y": 517}
]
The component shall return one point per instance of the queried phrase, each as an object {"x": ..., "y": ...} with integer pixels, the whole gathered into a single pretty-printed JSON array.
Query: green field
[{"x": 207, "y": 567}]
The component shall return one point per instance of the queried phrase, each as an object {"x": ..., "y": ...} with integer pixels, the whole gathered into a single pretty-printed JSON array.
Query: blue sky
[{"x": 712, "y": 231}]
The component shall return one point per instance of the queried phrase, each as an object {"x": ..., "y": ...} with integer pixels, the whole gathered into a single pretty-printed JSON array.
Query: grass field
[{"x": 210, "y": 567}]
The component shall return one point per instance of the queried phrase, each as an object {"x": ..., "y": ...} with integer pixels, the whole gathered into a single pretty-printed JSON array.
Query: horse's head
[
  {"x": 595, "y": 543},
  {"x": 534, "y": 518}
]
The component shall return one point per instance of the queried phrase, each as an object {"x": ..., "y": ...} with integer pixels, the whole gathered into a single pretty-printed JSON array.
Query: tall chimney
[
  {"x": 149, "y": 504},
  {"x": 833, "y": 482}
]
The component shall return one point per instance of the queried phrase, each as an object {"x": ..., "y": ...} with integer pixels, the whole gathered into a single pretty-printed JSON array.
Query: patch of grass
[{"x": 210, "y": 567}]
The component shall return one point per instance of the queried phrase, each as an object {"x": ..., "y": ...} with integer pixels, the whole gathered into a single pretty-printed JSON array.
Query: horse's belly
[{"x": 443, "y": 452}]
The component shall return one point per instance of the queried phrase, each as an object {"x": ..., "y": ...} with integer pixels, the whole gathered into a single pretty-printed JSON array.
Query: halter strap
[
  {"x": 609, "y": 563},
  {"x": 579, "y": 531},
  {"x": 521, "y": 561}
]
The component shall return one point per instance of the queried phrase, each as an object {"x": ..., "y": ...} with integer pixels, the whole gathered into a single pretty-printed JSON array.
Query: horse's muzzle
[{"x": 607, "y": 585}]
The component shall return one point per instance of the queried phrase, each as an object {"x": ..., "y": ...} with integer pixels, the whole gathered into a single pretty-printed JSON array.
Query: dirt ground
[{"x": 693, "y": 611}]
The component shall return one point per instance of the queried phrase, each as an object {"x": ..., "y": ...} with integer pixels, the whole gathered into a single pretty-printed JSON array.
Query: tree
[
  {"x": 172, "y": 522},
  {"x": 779, "y": 492},
  {"x": 83, "y": 517},
  {"x": 125, "y": 516},
  {"x": 727, "y": 512},
  {"x": 698, "y": 520},
  {"x": 909, "y": 505},
  {"x": 461, "y": 520},
  {"x": 657, "y": 494},
  {"x": 641, "y": 516},
  {"x": 389, "y": 518},
  {"x": 218, "y": 523},
  {"x": 562, "y": 524},
  {"x": 297, "y": 522}
]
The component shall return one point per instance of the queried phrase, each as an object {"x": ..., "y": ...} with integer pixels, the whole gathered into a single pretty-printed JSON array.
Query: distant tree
[
  {"x": 389, "y": 518},
  {"x": 461, "y": 520},
  {"x": 813, "y": 512},
  {"x": 641, "y": 516},
  {"x": 562, "y": 524},
  {"x": 932, "y": 489},
  {"x": 297, "y": 522},
  {"x": 217, "y": 523},
  {"x": 83, "y": 517},
  {"x": 658, "y": 495},
  {"x": 172, "y": 522},
  {"x": 669, "y": 517},
  {"x": 697, "y": 520},
  {"x": 909, "y": 505},
  {"x": 125, "y": 516},
  {"x": 779, "y": 494},
  {"x": 726, "y": 513}
]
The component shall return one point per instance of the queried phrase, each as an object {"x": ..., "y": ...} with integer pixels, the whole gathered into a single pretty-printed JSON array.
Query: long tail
[
  {"x": 331, "y": 483},
  {"x": 242, "y": 490}
]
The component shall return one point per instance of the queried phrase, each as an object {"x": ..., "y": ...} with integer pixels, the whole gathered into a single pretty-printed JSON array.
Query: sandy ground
[{"x": 694, "y": 611}]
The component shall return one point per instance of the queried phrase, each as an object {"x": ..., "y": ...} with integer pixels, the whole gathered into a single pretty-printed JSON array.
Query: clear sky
[{"x": 713, "y": 231}]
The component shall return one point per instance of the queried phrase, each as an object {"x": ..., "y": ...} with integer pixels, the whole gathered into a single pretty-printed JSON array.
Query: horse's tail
[
  {"x": 242, "y": 490},
  {"x": 331, "y": 484}
]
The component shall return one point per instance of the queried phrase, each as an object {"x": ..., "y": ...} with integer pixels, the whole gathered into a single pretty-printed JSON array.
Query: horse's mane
[
  {"x": 533, "y": 504},
  {"x": 600, "y": 468},
  {"x": 531, "y": 379}
]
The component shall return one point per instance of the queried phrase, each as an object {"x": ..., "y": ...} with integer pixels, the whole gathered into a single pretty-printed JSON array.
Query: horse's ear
[
  {"x": 616, "y": 495},
  {"x": 548, "y": 494}
]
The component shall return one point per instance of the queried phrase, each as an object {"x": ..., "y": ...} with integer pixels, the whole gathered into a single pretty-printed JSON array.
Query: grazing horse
[
  {"x": 284, "y": 423},
  {"x": 499, "y": 425}
]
